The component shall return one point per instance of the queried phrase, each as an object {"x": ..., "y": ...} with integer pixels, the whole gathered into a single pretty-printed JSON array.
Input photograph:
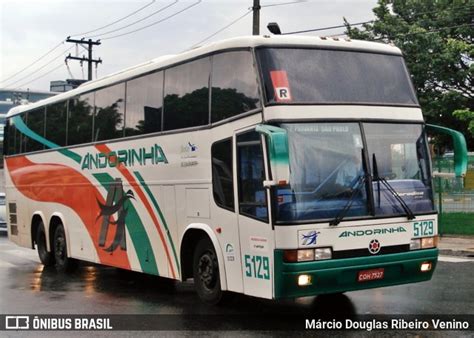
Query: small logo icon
[
  {"x": 229, "y": 248},
  {"x": 310, "y": 238},
  {"x": 374, "y": 246},
  {"x": 192, "y": 146},
  {"x": 17, "y": 322}
]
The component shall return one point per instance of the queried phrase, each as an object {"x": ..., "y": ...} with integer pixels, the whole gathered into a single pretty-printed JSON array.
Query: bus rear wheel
[
  {"x": 206, "y": 272},
  {"x": 46, "y": 257},
  {"x": 63, "y": 262}
]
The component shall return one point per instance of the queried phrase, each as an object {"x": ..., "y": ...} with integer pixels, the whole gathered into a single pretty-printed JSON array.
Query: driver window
[{"x": 251, "y": 173}]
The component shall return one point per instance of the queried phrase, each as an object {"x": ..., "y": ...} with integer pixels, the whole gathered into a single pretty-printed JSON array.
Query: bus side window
[
  {"x": 222, "y": 179},
  {"x": 251, "y": 173}
]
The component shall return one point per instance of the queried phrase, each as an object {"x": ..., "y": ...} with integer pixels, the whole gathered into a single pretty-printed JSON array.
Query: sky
[{"x": 31, "y": 28}]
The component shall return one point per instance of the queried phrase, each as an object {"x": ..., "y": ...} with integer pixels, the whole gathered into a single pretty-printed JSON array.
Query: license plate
[{"x": 368, "y": 275}]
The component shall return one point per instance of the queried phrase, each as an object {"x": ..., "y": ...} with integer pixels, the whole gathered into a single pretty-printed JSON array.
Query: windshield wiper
[
  {"x": 355, "y": 189},
  {"x": 389, "y": 187}
]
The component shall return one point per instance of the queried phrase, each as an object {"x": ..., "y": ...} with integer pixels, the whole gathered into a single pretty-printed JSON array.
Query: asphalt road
[{"x": 26, "y": 287}]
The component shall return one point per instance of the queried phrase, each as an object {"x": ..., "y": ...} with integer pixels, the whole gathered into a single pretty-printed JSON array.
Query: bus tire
[
  {"x": 206, "y": 272},
  {"x": 63, "y": 262},
  {"x": 46, "y": 257}
]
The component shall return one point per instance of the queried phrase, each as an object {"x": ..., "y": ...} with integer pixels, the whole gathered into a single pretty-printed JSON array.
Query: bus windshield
[
  {"x": 329, "y": 170},
  {"x": 322, "y": 76}
]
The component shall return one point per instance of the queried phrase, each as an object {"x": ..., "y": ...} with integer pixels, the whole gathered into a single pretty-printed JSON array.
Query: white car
[{"x": 3, "y": 216}]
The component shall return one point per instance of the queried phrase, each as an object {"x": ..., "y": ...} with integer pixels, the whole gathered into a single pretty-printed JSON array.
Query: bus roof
[{"x": 238, "y": 42}]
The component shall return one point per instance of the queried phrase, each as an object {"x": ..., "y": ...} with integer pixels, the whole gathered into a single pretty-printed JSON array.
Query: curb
[{"x": 450, "y": 252}]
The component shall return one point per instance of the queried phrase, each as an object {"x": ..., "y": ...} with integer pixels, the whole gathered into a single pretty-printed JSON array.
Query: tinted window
[
  {"x": 11, "y": 138},
  {"x": 56, "y": 120},
  {"x": 187, "y": 95},
  {"x": 252, "y": 195},
  {"x": 80, "y": 119},
  {"x": 144, "y": 105},
  {"x": 334, "y": 76},
  {"x": 20, "y": 140},
  {"x": 234, "y": 85},
  {"x": 35, "y": 123},
  {"x": 108, "y": 121},
  {"x": 222, "y": 179}
]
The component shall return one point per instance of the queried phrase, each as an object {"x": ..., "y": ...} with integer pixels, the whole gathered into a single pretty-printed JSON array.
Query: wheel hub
[{"x": 207, "y": 270}]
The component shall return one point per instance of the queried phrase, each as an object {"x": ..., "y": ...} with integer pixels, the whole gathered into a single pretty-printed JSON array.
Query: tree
[{"x": 436, "y": 38}]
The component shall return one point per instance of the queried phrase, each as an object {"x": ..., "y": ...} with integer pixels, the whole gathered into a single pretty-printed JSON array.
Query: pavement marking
[{"x": 452, "y": 259}]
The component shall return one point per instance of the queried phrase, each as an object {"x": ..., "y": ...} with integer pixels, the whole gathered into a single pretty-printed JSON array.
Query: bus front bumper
[{"x": 340, "y": 275}]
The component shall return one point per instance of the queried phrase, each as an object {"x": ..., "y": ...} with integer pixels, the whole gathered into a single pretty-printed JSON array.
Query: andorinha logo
[
  {"x": 370, "y": 232},
  {"x": 128, "y": 157}
]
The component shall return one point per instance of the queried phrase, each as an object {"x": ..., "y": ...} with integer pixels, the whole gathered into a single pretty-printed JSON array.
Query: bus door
[{"x": 255, "y": 232}]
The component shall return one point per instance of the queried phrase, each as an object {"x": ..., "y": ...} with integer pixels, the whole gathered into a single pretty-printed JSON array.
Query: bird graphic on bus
[{"x": 116, "y": 199}]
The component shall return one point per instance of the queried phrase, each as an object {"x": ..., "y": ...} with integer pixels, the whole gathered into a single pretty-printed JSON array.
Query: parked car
[{"x": 3, "y": 216}]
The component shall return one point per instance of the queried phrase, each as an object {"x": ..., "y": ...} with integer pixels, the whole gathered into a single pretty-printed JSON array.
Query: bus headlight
[
  {"x": 322, "y": 253},
  {"x": 307, "y": 255},
  {"x": 424, "y": 243},
  {"x": 415, "y": 244}
]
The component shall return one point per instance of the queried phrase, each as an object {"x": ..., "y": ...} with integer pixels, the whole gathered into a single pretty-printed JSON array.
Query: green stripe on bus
[
  {"x": 158, "y": 210},
  {"x": 137, "y": 232},
  {"x": 23, "y": 128}
]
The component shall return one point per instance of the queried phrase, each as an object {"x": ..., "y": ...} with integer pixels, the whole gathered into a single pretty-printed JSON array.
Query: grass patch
[{"x": 457, "y": 223}]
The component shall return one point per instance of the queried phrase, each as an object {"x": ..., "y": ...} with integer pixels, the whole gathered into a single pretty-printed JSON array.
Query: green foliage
[{"x": 436, "y": 38}]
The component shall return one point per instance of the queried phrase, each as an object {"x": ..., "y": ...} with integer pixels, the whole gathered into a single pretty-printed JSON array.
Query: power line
[
  {"x": 223, "y": 28},
  {"x": 41, "y": 76},
  {"x": 38, "y": 69},
  {"x": 135, "y": 22},
  {"x": 368, "y": 21},
  {"x": 34, "y": 62},
  {"x": 327, "y": 28},
  {"x": 119, "y": 20},
  {"x": 156, "y": 22},
  {"x": 284, "y": 4}
]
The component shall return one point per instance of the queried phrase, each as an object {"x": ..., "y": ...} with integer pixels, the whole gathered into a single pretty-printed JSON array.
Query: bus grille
[
  {"x": 365, "y": 252},
  {"x": 13, "y": 219}
]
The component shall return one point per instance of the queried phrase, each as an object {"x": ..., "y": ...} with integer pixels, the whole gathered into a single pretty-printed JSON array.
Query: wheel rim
[
  {"x": 207, "y": 270},
  {"x": 60, "y": 248}
]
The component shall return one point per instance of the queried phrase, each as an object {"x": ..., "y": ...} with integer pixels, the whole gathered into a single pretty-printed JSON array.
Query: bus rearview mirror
[{"x": 277, "y": 147}]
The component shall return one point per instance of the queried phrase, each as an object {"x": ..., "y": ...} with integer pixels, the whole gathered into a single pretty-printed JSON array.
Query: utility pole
[
  {"x": 89, "y": 59},
  {"x": 256, "y": 17}
]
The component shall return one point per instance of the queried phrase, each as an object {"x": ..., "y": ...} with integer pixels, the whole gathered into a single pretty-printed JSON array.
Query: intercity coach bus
[{"x": 270, "y": 166}]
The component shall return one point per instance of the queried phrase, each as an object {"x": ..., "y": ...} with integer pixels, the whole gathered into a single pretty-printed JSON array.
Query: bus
[{"x": 272, "y": 166}]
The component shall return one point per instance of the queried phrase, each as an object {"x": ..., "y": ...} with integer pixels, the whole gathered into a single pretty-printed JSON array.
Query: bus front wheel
[
  {"x": 206, "y": 272},
  {"x": 63, "y": 262},
  {"x": 46, "y": 257}
]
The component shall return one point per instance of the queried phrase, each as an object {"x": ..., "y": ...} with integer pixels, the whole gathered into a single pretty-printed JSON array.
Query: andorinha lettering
[
  {"x": 128, "y": 157},
  {"x": 370, "y": 232}
]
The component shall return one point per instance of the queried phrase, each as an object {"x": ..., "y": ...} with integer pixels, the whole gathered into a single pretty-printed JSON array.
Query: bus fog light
[
  {"x": 425, "y": 267},
  {"x": 429, "y": 242},
  {"x": 415, "y": 244},
  {"x": 304, "y": 280},
  {"x": 322, "y": 253},
  {"x": 305, "y": 255}
]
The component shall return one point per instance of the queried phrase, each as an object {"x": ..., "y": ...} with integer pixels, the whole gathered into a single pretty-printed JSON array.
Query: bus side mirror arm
[
  {"x": 460, "y": 149},
  {"x": 277, "y": 141}
]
